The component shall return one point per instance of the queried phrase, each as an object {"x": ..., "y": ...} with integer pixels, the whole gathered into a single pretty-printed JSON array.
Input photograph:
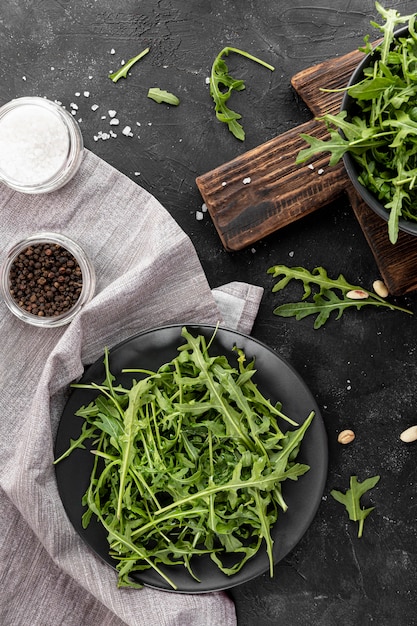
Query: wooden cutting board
[{"x": 263, "y": 189}]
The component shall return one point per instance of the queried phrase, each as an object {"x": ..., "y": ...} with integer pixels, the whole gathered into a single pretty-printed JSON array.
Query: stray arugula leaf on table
[
  {"x": 222, "y": 85},
  {"x": 382, "y": 137},
  {"x": 160, "y": 95},
  {"x": 351, "y": 499},
  {"x": 122, "y": 72},
  {"x": 331, "y": 295}
]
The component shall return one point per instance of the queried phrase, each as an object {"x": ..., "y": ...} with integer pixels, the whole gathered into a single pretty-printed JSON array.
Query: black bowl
[{"x": 350, "y": 106}]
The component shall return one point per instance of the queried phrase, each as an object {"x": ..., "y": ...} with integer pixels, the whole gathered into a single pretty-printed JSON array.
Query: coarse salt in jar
[{"x": 41, "y": 145}]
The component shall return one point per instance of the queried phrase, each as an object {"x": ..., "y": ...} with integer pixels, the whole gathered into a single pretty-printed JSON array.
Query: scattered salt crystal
[
  {"x": 208, "y": 80},
  {"x": 310, "y": 166},
  {"x": 101, "y": 135},
  {"x": 137, "y": 123},
  {"x": 127, "y": 131},
  {"x": 77, "y": 94},
  {"x": 246, "y": 180},
  {"x": 23, "y": 77},
  {"x": 137, "y": 173},
  {"x": 112, "y": 113},
  {"x": 113, "y": 134},
  {"x": 90, "y": 78},
  {"x": 114, "y": 121},
  {"x": 224, "y": 183},
  {"x": 291, "y": 254},
  {"x": 199, "y": 215},
  {"x": 94, "y": 107},
  {"x": 52, "y": 68},
  {"x": 103, "y": 117},
  {"x": 74, "y": 106},
  {"x": 253, "y": 250},
  {"x": 204, "y": 207},
  {"x": 86, "y": 94},
  {"x": 320, "y": 171},
  {"x": 112, "y": 51}
]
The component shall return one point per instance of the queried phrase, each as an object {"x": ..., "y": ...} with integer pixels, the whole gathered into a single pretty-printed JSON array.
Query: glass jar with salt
[{"x": 41, "y": 145}]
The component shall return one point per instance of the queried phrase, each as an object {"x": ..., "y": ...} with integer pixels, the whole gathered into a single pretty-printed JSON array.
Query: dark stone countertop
[{"x": 360, "y": 368}]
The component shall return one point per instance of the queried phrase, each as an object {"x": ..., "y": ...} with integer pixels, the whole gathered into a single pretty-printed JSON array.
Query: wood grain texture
[
  {"x": 333, "y": 74},
  {"x": 264, "y": 190},
  {"x": 260, "y": 191},
  {"x": 397, "y": 263}
]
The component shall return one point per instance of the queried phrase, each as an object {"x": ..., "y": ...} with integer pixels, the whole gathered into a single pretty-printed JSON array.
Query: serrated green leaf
[
  {"x": 335, "y": 145},
  {"x": 317, "y": 277},
  {"x": 323, "y": 305},
  {"x": 222, "y": 85},
  {"x": 351, "y": 499}
]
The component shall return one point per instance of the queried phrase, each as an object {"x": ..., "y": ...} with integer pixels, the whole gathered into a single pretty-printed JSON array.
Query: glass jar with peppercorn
[{"x": 46, "y": 279}]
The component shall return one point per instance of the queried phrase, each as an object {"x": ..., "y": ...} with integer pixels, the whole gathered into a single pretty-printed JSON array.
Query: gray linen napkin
[{"x": 148, "y": 275}]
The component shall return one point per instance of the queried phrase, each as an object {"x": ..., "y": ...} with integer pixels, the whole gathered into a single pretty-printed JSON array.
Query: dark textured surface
[{"x": 361, "y": 368}]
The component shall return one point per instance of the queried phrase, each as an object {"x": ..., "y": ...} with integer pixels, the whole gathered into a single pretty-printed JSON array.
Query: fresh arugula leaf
[
  {"x": 332, "y": 295},
  {"x": 122, "y": 72},
  {"x": 160, "y": 95},
  {"x": 336, "y": 145},
  {"x": 351, "y": 499},
  {"x": 222, "y": 85}
]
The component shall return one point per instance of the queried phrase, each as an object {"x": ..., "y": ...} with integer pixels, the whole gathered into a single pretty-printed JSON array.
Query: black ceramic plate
[{"x": 275, "y": 378}]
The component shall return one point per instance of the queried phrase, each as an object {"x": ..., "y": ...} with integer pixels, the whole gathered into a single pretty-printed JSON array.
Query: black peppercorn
[{"x": 40, "y": 274}]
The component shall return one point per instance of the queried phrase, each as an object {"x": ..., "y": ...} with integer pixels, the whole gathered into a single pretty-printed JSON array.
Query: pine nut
[
  {"x": 346, "y": 436},
  {"x": 380, "y": 288},
  {"x": 409, "y": 435},
  {"x": 357, "y": 294}
]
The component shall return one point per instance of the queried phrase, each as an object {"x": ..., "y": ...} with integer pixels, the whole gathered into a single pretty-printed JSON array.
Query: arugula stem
[{"x": 229, "y": 49}]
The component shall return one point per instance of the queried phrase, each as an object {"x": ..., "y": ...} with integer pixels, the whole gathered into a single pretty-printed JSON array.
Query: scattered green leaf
[
  {"x": 122, "y": 72},
  {"x": 160, "y": 95},
  {"x": 382, "y": 135},
  {"x": 351, "y": 499},
  {"x": 222, "y": 85},
  {"x": 330, "y": 294}
]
